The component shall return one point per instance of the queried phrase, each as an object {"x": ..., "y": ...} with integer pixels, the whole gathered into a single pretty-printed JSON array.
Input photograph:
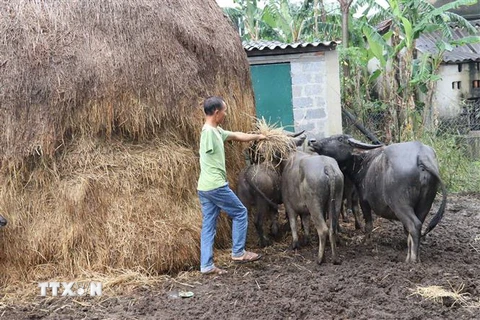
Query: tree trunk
[
  {"x": 345, "y": 8},
  {"x": 323, "y": 13}
]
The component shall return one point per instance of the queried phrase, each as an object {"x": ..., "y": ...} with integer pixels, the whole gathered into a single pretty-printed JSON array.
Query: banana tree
[
  {"x": 397, "y": 54},
  {"x": 287, "y": 19},
  {"x": 246, "y": 15}
]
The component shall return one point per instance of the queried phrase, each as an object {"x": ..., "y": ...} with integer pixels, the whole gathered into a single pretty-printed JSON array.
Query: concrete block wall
[{"x": 308, "y": 95}]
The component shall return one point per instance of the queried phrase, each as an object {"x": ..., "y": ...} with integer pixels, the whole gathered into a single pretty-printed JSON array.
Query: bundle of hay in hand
[{"x": 277, "y": 147}]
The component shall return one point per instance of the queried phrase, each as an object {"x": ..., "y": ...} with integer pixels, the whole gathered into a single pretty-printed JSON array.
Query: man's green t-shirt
[{"x": 213, "y": 174}]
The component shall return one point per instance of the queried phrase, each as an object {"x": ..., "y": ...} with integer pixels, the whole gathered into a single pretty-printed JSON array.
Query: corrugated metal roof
[
  {"x": 465, "y": 53},
  {"x": 268, "y": 47}
]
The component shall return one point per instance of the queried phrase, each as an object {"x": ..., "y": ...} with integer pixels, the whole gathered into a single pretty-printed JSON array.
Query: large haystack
[{"x": 100, "y": 115}]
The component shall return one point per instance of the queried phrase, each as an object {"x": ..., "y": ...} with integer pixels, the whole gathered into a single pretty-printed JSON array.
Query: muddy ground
[{"x": 372, "y": 282}]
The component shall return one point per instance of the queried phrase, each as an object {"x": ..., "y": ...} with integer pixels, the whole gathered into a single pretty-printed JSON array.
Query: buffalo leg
[
  {"x": 344, "y": 210},
  {"x": 367, "y": 216},
  {"x": 318, "y": 217},
  {"x": 292, "y": 218},
  {"x": 423, "y": 208},
  {"x": 273, "y": 213},
  {"x": 306, "y": 228},
  {"x": 322, "y": 230},
  {"x": 261, "y": 209},
  {"x": 356, "y": 210},
  {"x": 334, "y": 208},
  {"x": 414, "y": 228}
]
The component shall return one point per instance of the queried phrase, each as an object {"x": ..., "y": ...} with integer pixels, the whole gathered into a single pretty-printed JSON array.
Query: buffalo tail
[
  {"x": 436, "y": 219},
  {"x": 332, "y": 208},
  {"x": 264, "y": 196}
]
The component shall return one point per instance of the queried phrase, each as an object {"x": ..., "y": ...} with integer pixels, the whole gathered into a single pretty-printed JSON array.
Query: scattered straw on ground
[
  {"x": 438, "y": 294},
  {"x": 118, "y": 283}
]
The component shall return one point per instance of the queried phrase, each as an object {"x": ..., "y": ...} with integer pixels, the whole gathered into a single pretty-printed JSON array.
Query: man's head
[{"x": 215, "y": 108}]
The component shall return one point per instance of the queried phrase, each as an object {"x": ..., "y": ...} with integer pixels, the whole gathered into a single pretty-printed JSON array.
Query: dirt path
[{"x": 372, "y": 282}]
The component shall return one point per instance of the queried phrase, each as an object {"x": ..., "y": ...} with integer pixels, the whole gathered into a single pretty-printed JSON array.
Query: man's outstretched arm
[{"x": 245, "y": 137}]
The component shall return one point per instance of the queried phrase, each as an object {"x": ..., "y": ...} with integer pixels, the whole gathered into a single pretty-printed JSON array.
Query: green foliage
[
  {"x": 286, "y": 18},
  {"x": 283, "y": 20},
  {"x": 246, "y": 16},
  {"x": 457, "y": 170},
  {"x": 424, "y": 72}
]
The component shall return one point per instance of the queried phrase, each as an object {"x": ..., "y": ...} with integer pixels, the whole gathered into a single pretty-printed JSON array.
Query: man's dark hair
[{"x": 211, "y": 104}]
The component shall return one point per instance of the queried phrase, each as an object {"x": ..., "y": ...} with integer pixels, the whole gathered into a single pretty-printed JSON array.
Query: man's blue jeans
[{"x": 212, "y": 201}]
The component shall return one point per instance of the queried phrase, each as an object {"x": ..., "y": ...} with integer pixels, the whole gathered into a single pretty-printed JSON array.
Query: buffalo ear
[{"x": 362, "y": 145}]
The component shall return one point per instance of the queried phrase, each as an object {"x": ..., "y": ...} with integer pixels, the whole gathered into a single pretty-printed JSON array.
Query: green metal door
[{"x": 272, "y": 85}]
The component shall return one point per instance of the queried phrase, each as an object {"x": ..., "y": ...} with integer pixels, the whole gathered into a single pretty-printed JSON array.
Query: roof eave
[{"x": 289, "y": 50}]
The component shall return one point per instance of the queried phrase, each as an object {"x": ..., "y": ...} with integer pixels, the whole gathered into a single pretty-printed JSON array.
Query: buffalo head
[{"x": 340, "y": 147}]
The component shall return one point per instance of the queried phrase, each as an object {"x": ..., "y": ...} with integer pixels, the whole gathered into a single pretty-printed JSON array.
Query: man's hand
[{"x": 261, "y": 137}]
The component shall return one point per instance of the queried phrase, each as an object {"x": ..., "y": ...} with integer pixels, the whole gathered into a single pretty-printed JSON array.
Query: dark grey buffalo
[
  {"x": 397, "y": 182},
  {"x": 258, "y": 188},
  {"x": 3, "y": 221},
  {"x": 313, "y": 185}
]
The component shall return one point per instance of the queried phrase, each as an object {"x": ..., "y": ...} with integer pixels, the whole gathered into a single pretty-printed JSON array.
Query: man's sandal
[
  {"x": 247, "y": 257},
  {"x": 216, "y": 271}
]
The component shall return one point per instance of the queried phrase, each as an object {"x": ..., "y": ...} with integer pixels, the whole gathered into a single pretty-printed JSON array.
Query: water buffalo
[
  {"x": 258, "y": 187},
  {"x": 397, "y": 182},
  {"x": 313, "y": 185}
]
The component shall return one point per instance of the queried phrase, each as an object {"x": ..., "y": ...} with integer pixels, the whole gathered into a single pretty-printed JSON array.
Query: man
[{"x": 213, "y": 189}]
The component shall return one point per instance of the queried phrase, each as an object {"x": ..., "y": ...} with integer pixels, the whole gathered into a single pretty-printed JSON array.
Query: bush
[{"x": 458, "y": 171}]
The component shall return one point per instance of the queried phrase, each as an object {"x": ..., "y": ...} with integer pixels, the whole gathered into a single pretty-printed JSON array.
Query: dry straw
[
  {"x": 275, "y": 148},
  {"x": 99, "y": 132},
  {"x": 439, "y": 294}
]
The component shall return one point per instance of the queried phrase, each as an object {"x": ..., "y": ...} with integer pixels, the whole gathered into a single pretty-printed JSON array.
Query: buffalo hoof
[
  {"x": 265, "y": 243},
  {"x": 412, "y": 260},
  {"x": 295, "y": 245},
  {"x": 367, "y": 239},
  {"x": 346, "y": 216},
  {"x": 284, "y": 228},
  {"x": 274, "y": 230},
  {"x": 305, "y": 241},
  {"x": 339, "y": 229}
]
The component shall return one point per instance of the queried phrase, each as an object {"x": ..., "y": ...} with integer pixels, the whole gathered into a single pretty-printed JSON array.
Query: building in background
[{"x": 297, "y": 85}]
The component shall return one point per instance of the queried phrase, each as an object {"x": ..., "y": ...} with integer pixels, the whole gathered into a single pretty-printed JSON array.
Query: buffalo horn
[
  {"x": 359, "y": 144},
  {"x": 294, "y": 135}
]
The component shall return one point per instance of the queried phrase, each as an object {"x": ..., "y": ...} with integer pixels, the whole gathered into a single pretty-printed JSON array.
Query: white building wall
[{"x": 448, "y": 97}]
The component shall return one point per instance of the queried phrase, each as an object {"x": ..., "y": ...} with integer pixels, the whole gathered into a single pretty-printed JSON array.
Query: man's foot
[
  {"x": 216, "y": 270},
  {"x": 247, "y": 257}
]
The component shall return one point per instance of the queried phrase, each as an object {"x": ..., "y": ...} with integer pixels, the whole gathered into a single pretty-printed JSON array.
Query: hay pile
[{"x": 100, "y": 122}]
